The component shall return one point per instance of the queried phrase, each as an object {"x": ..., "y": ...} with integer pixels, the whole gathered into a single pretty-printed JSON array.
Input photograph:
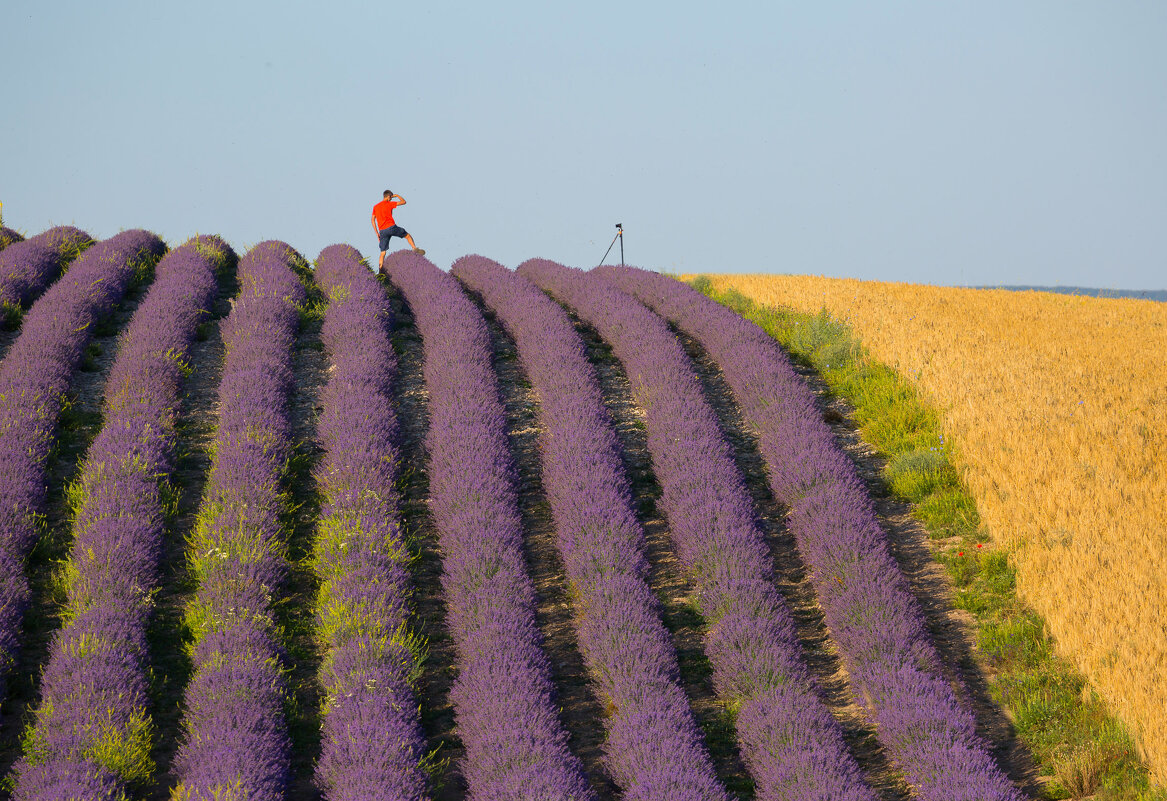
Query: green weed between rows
[
  {"x": 1079, "y": 748},
  {"x": 10, "y": 316}
]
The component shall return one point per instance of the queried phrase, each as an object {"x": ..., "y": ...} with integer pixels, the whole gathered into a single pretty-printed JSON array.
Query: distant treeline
[{"x": 1143, "y": 294}]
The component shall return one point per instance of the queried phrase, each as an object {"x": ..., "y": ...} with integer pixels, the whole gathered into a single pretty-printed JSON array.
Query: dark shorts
[{"x": 389, "y": 233}]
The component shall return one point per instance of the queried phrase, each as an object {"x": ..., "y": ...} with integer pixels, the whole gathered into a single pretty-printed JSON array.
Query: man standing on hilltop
[{"x": 386, "y": 228}]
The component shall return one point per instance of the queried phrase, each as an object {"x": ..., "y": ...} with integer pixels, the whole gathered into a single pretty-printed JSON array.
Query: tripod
[{"x": 620, "y": 236}]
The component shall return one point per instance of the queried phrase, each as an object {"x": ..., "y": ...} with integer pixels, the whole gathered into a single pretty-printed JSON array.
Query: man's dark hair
[{"x": 387, "y": 193}]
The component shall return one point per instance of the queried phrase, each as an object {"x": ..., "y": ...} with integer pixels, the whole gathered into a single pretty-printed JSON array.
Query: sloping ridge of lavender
[
  {"x": 28, "y": 266},
  {"x": 503, "y": 697},
  {"x": 372, "y": 738},
  {"x": 236, "y": 742},
  {"x": 792, "y": 746},
  {"x": 34, "y": 378},
  {"x": 874, "y": 619},
  {"x": 654, "y": 748},
  {"x": 92, "y": 735},
  {"x": 9, "y": 237}
]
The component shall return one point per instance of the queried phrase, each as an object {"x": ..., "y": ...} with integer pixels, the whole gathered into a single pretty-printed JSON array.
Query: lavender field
[{"x": 273, "y": 528}]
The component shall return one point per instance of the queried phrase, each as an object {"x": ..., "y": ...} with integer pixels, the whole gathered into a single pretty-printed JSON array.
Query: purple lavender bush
[
  {"x": 30, "y": 265},
  {"x": 792, "y": 747},
  {"x": 873, "y": 618},
  {"x": 34, "y": 378},
  {"x": 655, "y": 749},
  {"x": 9, "y": 237},
  {"x": 372, "y": 740},
  {"x": 503, "y": 698},
  {"x": 94, "y": 719},
  {"x": 72, "y": 782},
  {"x": 236, "y": 743}
]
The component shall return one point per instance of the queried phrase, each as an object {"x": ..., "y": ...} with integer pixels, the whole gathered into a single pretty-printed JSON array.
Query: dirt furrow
[
  {"x": 790, "y": 577},
  {"x": 197, "y": 424},
  {"x": 297, "y": 607},
  {"x": 411, "y": 402},
  {"x": 7, "y": 337},
  {"x": 666, "y": 574},
  {"x": 581, "y": 711}
]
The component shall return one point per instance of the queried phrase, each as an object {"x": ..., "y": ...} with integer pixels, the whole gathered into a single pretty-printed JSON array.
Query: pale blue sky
[{"x": 954, "y": 142}]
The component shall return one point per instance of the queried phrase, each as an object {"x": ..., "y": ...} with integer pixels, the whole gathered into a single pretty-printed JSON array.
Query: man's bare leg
[{"x": 412, "y": 244}]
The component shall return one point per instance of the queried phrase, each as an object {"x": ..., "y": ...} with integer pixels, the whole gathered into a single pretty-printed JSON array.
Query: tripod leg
[{"x": 609, "y": 250}]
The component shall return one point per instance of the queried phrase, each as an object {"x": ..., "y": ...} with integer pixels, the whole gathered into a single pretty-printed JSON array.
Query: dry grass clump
[{"x": 1058, "y": 405}]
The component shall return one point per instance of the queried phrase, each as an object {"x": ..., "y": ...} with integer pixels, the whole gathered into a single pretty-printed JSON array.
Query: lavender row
[
  {"x": 792, "y": 746},
  {"x": 93, "y": 726},
  {"x": 9, "y": 237},
  {"x": 30, "y": 265},
  {"x": 654, "y": 747},
  {"x": 372, "y": 739},
  {"x": 236, "y": 742},
  {"x": 515, "y": 745},
  {"x": 872, "y": 615},
  {"x": 34, "y": 377}
]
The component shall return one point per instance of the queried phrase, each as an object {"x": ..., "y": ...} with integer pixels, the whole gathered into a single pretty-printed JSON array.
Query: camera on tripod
[{"x": 619, "y": 235}]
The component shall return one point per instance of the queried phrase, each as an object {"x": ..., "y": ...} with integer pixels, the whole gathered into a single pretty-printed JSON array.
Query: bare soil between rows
[
  {"x": 197, "y": 424},
  {"x": 297, "y": 607},
  {"x": 792, "y": 581},
  {"x": 667, "y": 576},
  {"x": 582, "y": 712},
  {"x": 411, "y": 402}
]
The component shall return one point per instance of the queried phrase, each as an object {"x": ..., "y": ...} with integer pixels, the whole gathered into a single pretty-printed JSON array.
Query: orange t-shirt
[{"x": 383, "y": 213}]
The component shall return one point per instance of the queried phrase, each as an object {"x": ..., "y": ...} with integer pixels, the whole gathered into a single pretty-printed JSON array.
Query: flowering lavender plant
[
  {"x": 372, "y": 739},
  {"x": 30, "y": 265},
  {"x": 872, "y": 615},
  {"x": 516, "y": 747},
  {"x": 93, "y": 720},
  {"x": 791, "y": 745},
  {"x": 653, "y": 741},
  {"x": 34, "y": 377},
  {"x": 236, "y": 741}
]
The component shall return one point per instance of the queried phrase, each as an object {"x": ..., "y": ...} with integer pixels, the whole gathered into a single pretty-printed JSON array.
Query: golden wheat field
[{"x": 1058, "y": 405}]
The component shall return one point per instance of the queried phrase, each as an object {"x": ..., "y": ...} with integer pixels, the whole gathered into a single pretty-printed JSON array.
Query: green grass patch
[
  {"x": 73, "y": 249},
  {"x": 313, "y": 310},
  {"x": 1079, "y": 748},
  {"x": 122, "y": 747},
  {"x": 10, "y": 316}
]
